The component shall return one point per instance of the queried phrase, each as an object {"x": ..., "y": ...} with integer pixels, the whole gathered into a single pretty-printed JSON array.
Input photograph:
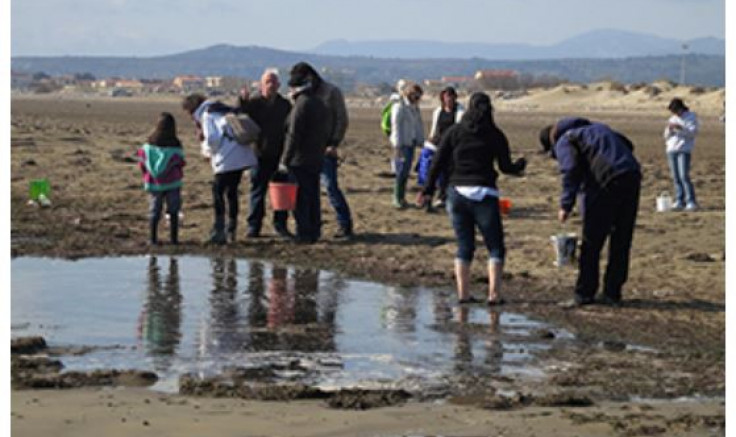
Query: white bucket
[
  {"x": 664, "y": 202},
  {"x": 565, "y": 246}
]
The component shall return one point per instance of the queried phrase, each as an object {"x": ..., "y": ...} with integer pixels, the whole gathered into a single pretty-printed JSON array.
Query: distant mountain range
[
  {"x": 250, "y": 61},
  {"x": 605, "y": 43}
]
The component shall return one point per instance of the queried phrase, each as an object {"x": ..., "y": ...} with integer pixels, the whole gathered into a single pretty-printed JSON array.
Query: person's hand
[
  {"x": 521, "y": 163},
  {"x": 331, "y": 151},
  {"x": 422, "y": 199},
  {"x": 244, "y": 92},
  {"x": 562, "y": 215}
]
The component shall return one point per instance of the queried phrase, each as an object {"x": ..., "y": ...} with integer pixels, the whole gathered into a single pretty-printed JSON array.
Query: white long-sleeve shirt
[
  {"x": 683, "y": 139},
  {"x": 407, "y": 128}
]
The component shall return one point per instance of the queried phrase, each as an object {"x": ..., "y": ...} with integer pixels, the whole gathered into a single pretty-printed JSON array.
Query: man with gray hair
[{"x": 269, "y": 110}]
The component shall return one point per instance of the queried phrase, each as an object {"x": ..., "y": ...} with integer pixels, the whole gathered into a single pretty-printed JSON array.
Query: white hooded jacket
[{"x": 224, "y": 152}]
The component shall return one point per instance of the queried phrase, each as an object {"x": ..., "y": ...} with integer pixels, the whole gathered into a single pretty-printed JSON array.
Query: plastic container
[
  {"x": 39, "y": 187},
  {"x": 565, "y": 246},
  {"x": 664, "y": 202},
  {"x": 282, "y": 195},
  {"x": 504, "y": 205}
]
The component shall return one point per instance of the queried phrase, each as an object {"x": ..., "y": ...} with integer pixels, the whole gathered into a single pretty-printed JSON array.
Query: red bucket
[
  {"x": 283, "y": 196},
  {"x": 504, "y": 204}
]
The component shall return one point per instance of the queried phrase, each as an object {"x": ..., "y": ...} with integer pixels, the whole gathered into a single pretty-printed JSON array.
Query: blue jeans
[
  {"x": 260, "y": 176},
  {"x": 403, "y": 166},
  {"x": 465, "y": 215},
  {"x": 680, "y": 170},
  {"x": 334, "y": 194}
]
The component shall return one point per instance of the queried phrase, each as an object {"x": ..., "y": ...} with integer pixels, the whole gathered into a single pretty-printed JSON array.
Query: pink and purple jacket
[{"x": 162, "y": 167}]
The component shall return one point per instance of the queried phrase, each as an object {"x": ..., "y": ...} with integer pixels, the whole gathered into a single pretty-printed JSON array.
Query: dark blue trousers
[
  {"x": 611, "y": 214},
  {"x": 307, "y": 213}
]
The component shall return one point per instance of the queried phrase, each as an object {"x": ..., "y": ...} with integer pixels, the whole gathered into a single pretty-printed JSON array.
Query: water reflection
[
  {"x": 224, "y": 332},
  {"x": 160, "y": 321},
  {"x": 491, "y": 339},
  {"x": 205, "y": 314}
]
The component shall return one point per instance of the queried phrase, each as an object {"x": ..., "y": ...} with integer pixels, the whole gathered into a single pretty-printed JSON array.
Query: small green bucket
[{"x": 39, "y": 187}]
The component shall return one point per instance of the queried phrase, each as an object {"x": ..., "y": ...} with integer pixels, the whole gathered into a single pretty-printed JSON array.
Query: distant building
[
  {"x": 130, "y": 85},
  {"x": 457, "y": 80},
  {"x": 189, "y": 83},
  {"x": 498, "y": 79}
]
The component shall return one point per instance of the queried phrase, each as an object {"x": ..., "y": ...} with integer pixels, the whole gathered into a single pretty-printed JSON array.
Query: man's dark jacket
[{"x": 590, "y": 156}]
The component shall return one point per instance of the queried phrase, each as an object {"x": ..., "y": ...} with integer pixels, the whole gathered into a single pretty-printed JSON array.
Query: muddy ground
[{"x": 675, "y": 299}]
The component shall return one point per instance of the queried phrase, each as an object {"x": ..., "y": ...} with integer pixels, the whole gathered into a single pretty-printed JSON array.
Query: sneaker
[
  {"x": 609, "y": 301},
  {"x": 677, "y": 206},
  {"x": 692, "y": 206},
  {"x": 217, "y": 237},
  {"x": 344, "y": 233},
  {"x": 439, "y": 204},
  {"x": 575, "y": 303},
  {"x": 284, "y": 233}
]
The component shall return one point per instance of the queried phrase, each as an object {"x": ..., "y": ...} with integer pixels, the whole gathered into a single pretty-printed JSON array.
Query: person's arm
[
  {"x": 419, "y": 134},
  {"x": 504, "y": 157},
  {"x": 294, "y": 132},
  {"x": 212, "y": 135},
  {"x": 689, "y": 126},
  {"x": 341, "y": 117},
  {"x": 397, "y": 115},
  {"x": 570, "y": 168},
  {"x": 433, "y": 129}
]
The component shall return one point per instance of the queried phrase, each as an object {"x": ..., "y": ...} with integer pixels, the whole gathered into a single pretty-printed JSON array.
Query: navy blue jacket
[{"x": 590, "y": 156}]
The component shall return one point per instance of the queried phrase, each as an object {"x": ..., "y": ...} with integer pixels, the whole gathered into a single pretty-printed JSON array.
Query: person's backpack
[
  {"x": 244, "y": 130},
  {"x": 386, "y": 118},
  {"x": 240, "y": 127}
]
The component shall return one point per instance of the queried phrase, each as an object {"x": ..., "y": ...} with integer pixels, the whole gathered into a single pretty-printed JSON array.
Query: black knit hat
[
  {"x": 545, "y": 140},
  {"x": 301, "y": 73}
]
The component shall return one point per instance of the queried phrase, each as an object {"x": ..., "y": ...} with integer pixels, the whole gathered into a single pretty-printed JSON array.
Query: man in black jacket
[
  {"x": 599, "y": 162},
  {"x": 269, "y": 110},
  {"x": 304, "y": 151}
]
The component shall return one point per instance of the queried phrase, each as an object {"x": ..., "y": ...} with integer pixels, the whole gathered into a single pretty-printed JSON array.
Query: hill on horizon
[
  {"x": 603, "y": 43},
  {"x": 250, "y": 61}
]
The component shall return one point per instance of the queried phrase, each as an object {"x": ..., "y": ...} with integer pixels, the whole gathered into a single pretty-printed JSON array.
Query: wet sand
[
  {"x": 675, "y": 294},
  {"x": 126, "y": 412}
]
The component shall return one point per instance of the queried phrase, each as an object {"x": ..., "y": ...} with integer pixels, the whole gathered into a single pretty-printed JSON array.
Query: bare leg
[
  {"x": 495, "y": 272},
  {"x": 462, "y": 277}
]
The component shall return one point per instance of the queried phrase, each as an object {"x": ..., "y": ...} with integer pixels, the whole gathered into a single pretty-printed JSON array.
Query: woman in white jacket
[
  {"x": 407, "y": 133},
  {"x": 679, "y": 135},
  {"x": 228, "y": 160}
]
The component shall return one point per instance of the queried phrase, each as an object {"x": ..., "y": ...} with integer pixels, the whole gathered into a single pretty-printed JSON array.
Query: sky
[{"x": 156, "y": 27}]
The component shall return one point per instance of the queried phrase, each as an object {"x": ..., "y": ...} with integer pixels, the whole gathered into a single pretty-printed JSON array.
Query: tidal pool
[{"x": 188, "y": 314}]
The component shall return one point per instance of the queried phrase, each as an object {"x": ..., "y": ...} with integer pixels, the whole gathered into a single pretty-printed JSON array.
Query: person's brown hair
[
  {"x": 192, "y": 102},
  {"x": 164, "y": 135},
  {"x": 412, "y": 88}
]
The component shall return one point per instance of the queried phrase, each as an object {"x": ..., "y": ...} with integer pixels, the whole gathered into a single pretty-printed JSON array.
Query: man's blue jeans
[
  {"x": 334, "y": 194},
  {"x": 680, "y": 170}
]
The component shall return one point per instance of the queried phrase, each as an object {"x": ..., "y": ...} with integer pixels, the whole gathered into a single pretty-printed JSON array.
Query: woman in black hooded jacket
[{"x": 468, "y": 150}]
